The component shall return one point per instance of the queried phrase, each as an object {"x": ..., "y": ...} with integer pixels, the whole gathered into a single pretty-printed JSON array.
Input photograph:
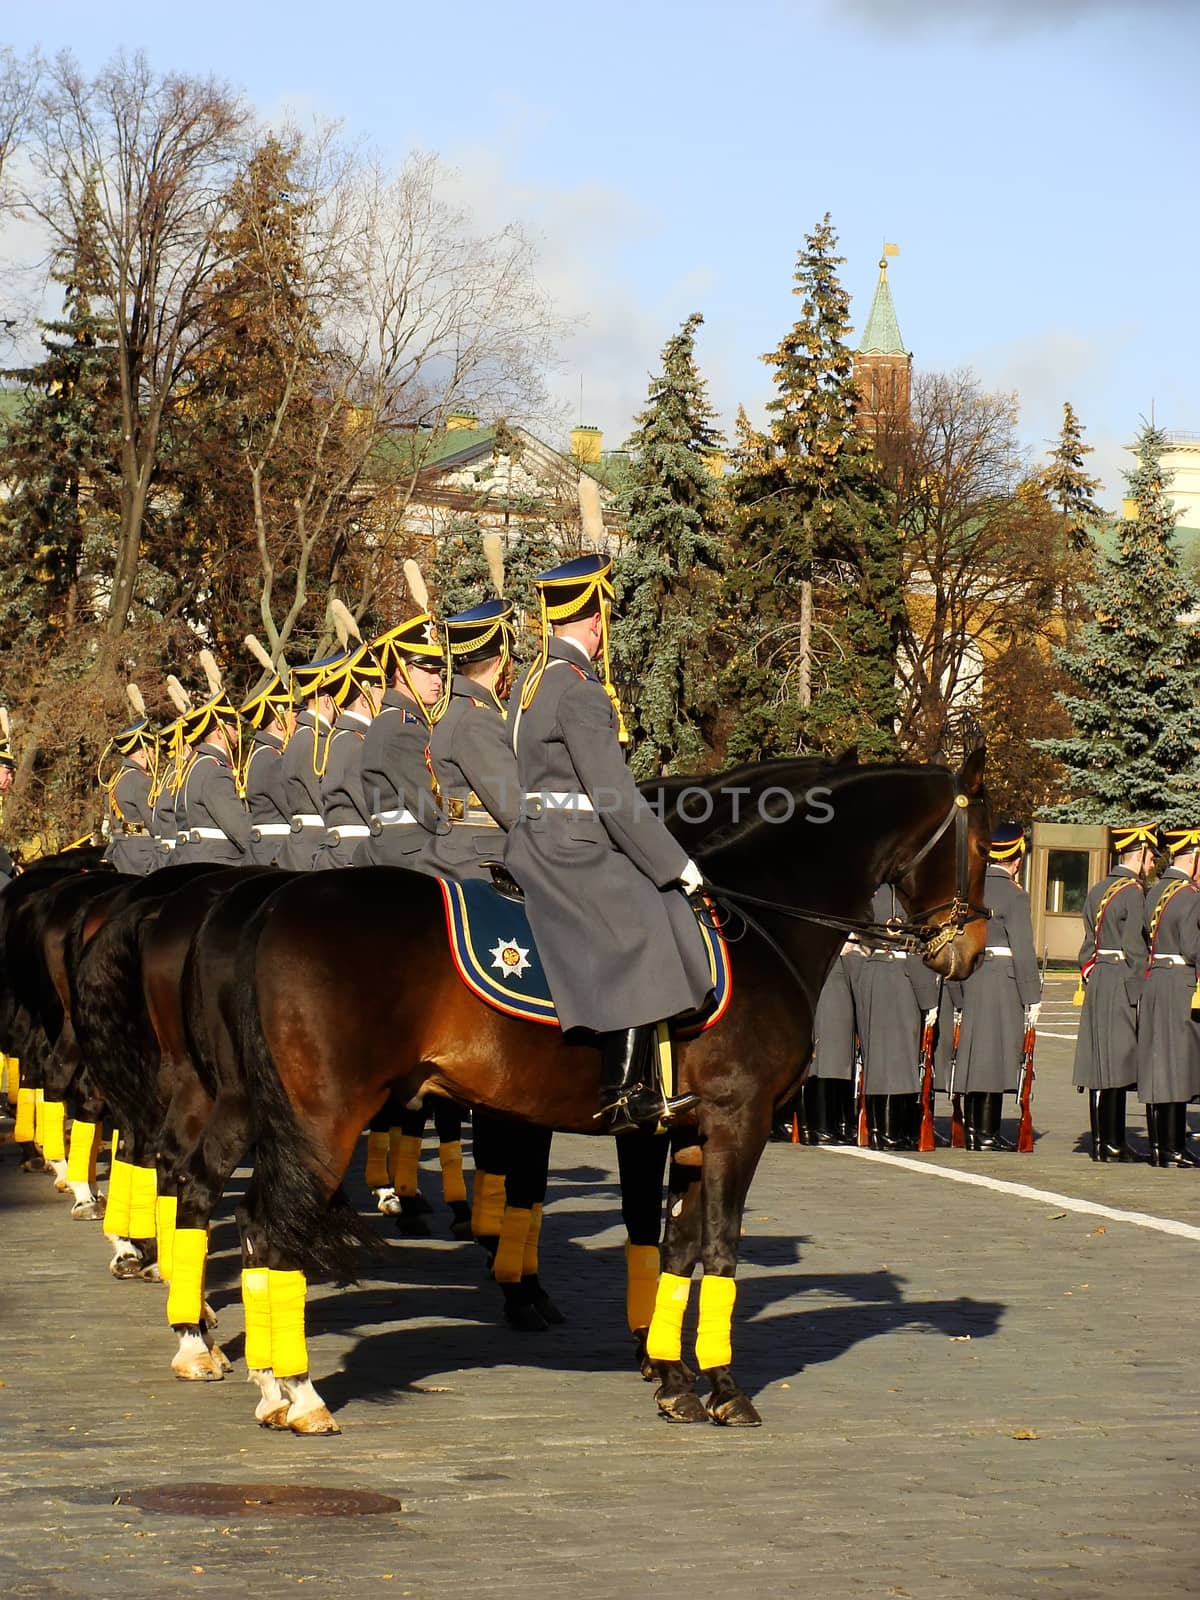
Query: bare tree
[
  {"x": 982, "y": 552},
  {"x": 18, "y": 86},
  {"x": 160, "y": 151}
]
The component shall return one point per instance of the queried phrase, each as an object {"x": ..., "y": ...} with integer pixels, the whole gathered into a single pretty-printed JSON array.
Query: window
[{"x": 1066, "y": 881}]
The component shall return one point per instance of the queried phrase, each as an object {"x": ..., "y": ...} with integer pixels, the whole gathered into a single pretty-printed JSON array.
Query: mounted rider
[
  {"x": 271, "y": 718},
  {"x": 353, "y": 686},
  {"x": 213, "y": 824},
  {"x": 604, "y": 880},
  {"x": 303, "y": 764},
  {"x": 131, "y": 816},
  {"x": 473, "y": 764}
]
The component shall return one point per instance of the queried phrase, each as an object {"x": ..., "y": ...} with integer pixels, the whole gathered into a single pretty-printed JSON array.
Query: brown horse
[{"x": 350, "y": 990}]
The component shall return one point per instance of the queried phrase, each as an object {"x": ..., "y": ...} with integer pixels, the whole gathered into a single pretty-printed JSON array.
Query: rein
[{"x": 913, "y": 935}]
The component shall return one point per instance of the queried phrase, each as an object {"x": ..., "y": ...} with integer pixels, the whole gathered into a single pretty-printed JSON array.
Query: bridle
[{"x": 916, "y": 934}]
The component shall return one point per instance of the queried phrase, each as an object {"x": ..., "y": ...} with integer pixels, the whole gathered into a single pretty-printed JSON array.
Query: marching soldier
[
  {"x": 1168, "y": 1046},
  {"x": 1000, "y": 997},
  {"x": 133, "y": 848},
  {"x": 1112, "y": 962},
  {"x": 894, "y": 990},
  {"x": 397, "y": 781},
  {"x": 269, "y": 714},
  {"x": 213, "y": 824},
  {"x": 473, "y": 763},
  {"x": 593, "y": 857},
  {"x": 351, "y": 686},
  {"x": 303, "y": 764}
]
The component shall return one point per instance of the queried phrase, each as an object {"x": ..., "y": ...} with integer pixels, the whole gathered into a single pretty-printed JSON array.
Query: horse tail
[
  {"x": 315, "y": 1230},
  {"x": 112, "y": 1026}
]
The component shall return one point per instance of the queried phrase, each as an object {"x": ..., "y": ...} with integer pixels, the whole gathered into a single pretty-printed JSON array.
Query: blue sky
[{"x": 1034, "y": 159}]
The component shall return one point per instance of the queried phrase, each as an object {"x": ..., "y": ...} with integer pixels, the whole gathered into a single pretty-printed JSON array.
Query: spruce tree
[
  {"x": 59, "y": 455},
  {"x": 1068, "y": 485},
  {"x": 816, "y": 563},
  {"x": 1135, "y": 672},
  {"x": 666, "y": 604}
]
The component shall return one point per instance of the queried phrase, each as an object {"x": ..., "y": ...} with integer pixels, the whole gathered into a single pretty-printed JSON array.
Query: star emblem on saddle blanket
[{"x": 510, "y": 959}]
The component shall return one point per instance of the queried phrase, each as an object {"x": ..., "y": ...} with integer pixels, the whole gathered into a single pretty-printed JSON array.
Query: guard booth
[{"x": 1066, "y": 859}]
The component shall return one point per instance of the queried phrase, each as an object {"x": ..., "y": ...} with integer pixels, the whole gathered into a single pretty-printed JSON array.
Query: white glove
[
  {"x": 691, "y": 878},
  {"x": 1032, "y": 1013},
  {"x": 931, "y": 1017}
]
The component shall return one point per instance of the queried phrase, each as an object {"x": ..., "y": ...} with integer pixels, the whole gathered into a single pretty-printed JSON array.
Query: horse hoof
[
  {"x": 87, "y": 1211},
  {"x": 126, "y": 1266},
  {"x": 524, "y": 1317},
  {"x": 411, "y": 1225},
  {"x": 222, "y": 1360},
  {"x": 547, "y": 1310},
  {"x": 34, "y": 1164},
  {"x": 389, "y": 1204},
  {"x": 61, "y": 1185},
  {"x": 460, "y": 1227},
  {"x": 683, "y": 1406},
  {"x": 313, "y": 1422},
  {"x": 736, "y": 1411},
  {"x": 150, "y": 1273},
  {"x": 197, "y": 1369},
  {"x": 276, "y": 1418}
]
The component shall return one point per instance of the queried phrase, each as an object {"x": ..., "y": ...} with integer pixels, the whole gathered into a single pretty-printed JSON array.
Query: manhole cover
[{"x": 259, "y": 1500}]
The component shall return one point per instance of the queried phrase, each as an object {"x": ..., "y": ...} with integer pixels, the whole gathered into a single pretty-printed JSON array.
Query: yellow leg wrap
[
  {"x": 487, "y": 1212},
  {"x": 510, "y": 1252},
  {"x": 13, "y": 1077},
  {"x": 185, "y": 1302},
  {"x": 714, "y": 1346},
  {"x": 142, "y": 1203},
  {"x": 529, "y": 1259},
  {"x": 377, "y": 1161},
  {"x": 665, "y": 1339},
  {"x": 256, "y": 1308},
  {"x": 289, "y": 1353},
  {"x": 26, "y": 1121},
  {"x": 165, "y": 1209},
  {"x": 641, "y": 1283},
  {"x": 120, "y": 1194},
  {"x": 81, "y": 1151},
  {"x": 404, "y": 1158},
  {"x": 454, "y": 1185},
  {"x": 54, "y": 1122},
  {"x": 39, "y": 1116}
]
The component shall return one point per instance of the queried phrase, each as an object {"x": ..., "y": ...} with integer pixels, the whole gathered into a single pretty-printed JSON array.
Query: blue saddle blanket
[{"x": 497, "y": 958}]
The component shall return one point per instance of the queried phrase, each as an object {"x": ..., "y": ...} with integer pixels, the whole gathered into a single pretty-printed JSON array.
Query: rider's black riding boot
[
  {"x": 631, "y": 1094},
  {"x": 1111, "y": 1117},
  {"x": 875, "y": 1111},
  {"x": 990, "y": 1111},
  {"x": 816, "y": 1111}
]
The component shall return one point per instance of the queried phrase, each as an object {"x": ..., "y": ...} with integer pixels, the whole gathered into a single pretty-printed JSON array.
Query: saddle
[{"x": 496, "y": 956}]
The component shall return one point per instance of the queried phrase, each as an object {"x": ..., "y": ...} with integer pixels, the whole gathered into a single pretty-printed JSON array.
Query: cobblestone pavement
[{"x": 966, "y": 1392}]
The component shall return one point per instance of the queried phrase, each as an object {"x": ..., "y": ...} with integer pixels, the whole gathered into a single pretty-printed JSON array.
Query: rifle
[
  {"x": 958, "y": 1134},
  {"x": 926, "y": 1140},
  {"x": 1025, "y": 1082},
  {"x": 860, "y": 1093}
]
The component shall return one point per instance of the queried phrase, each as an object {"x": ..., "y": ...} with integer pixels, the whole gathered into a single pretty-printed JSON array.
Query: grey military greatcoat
[
  {"x": 133, "y": 848},
  {"x": 266, "y": 801},
  {"x": 302, "y": 794},
  {"x": 343, "y": 803},
  {"x": 1106, "y": 1051},
  {"x": 993, "y": 999},
  {"x": 1168, "y": 1041},
  {"x": 476, "y": 772},
  {"x": 620, "y": 944},
  {"x": 213, "y": 825},
  {"x": 835, "y": 1023},
  {"x": 164, "y": 824},
  {"x": 891, "y": 990},
  {"x": 398, "y": 786}
]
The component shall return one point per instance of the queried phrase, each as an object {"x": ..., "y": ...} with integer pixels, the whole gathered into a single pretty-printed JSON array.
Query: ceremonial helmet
[
  {"x": 480, "y": 633},
  {"x": 578, "y": 588},
  {"x": 1175, "y": 840},
  {"x": 356, "y": 672},
  {"x": 1126, "y": 836},
  {"x": 275, "y": 695},
  {"x": 1008, "y": 841},
  {"x": 217, "y": 707}
]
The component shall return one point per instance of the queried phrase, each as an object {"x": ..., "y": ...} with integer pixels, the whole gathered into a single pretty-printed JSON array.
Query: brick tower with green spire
[{"x": 882, "y": 366}]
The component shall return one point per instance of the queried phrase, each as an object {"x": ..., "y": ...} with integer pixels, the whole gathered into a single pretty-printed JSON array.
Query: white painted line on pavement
[
  {"x": 1066, "y": 1202},
  {"x": 1044, "y": 1033}
]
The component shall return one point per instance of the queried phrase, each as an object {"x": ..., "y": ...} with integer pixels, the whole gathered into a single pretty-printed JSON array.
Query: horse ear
[
  {"x": 971, "y": 776},
  {"x": 848, "y": 757}
]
